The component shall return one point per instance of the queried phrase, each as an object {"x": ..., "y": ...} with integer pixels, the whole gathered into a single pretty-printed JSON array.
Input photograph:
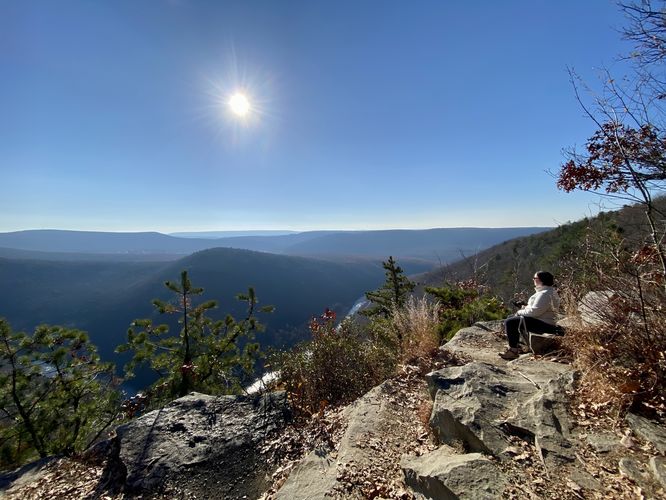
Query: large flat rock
[
  {"x": 481, "y": 342},
  {"x": 484, "y": 401},
  {"x": 441, "y": 475},
  {"x": 201, "y": 444},
  {"x": 470, "y": 403}
]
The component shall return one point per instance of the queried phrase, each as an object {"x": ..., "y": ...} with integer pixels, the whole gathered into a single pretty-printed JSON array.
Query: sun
[{"x": 239, "y": 104}]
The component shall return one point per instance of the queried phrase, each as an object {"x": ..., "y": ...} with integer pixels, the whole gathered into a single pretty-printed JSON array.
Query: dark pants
[{"x": 512, "y": 328}]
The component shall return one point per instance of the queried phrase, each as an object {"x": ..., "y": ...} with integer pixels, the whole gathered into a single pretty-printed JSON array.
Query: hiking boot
[{"x": 510, "y": 353}]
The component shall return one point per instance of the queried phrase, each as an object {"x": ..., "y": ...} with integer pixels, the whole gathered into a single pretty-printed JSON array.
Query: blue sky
[{"x": 365, "y": 114}]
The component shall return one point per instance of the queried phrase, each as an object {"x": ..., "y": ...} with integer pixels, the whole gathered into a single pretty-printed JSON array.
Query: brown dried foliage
[
  {"x": 417, "y": 323},
  {"x": 619, "y": 345},
  {"x": 618, "y": 158}
]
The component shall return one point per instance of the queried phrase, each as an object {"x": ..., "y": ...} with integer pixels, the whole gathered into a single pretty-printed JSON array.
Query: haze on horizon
[{"x": 176, "y": 115}]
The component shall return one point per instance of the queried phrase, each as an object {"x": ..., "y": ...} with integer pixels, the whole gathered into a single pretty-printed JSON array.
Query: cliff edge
[{"x": 470, "y": 425}]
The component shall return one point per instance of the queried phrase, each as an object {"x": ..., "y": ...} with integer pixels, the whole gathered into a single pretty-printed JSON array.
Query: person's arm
[{"x": 537, "y": 307}]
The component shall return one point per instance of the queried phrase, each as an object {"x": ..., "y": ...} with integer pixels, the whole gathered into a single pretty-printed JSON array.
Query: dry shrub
[
  {"x": 619, "y": 344},
  {"x": 623, "y": 364},
  {"x": 335, "y": 367},
  {"x": 341, "y": 363},
  {"x": 416, "y": 326}
]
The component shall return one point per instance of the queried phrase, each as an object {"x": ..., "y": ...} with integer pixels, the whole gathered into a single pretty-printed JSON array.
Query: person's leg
[
  {"x": 512, "y": 326},
  {"x": 512, "y": 329},
  {"x": 535, "y": 325}
]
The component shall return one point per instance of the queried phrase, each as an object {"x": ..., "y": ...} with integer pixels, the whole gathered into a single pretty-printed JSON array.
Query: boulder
[
  {"x": 596, "y": 307},
  {"x": 658, "y": 467},
  {"x": 201, "y": 444},
  {"x": 544, "y": 415},
  {"x": 636, "y": 471},
  {"x": 649, "y": 430},
  {"x": 469, "y": 404},
  {"x": 441, "y": 475},
  {"x": 482, "y": 342}
]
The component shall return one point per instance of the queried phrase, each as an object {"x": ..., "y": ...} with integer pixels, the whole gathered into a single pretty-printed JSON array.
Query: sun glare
[{"x": 239, "y": 104}]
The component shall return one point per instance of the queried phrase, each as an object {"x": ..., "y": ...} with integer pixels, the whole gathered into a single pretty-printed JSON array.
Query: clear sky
[{"x": 364, "y": 114}]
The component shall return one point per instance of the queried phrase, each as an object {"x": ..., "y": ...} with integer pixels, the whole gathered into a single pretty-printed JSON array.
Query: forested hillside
[
  {"x": 508, "y": 268},
  {"x": 104, "y": 297}
]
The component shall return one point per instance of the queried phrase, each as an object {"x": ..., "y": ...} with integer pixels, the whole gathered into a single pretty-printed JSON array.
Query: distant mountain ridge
[
  {"x": 54, "y": 240},
  {"x": 432, "y": 245},
  {"x": 230, "y": 234}
]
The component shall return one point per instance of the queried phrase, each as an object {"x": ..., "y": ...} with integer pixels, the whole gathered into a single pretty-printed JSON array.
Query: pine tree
[
  {"x": 392, "y": 294},
  {"x": 56, "y": 396},
  {"x": 205, "y": 356}
]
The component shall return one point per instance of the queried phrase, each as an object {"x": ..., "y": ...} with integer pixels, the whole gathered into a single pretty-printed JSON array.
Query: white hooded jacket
[{"x": 543, "y": 305}]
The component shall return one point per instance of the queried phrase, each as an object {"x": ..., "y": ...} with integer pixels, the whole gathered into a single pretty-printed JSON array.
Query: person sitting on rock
[{"x": 538, "y": 316}]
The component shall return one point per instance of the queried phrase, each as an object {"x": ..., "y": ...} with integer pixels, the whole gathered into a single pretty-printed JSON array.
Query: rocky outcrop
[
  {"x": 315, "y": 477},
  {"x": 31, "y": 472},
  {"x": 482, "y": 408},
  {"x": 597, "y": 306},
  {"x": 481, "y": 402},
  {"x": 479, "y": 406},
  {"x": 198, "y": 443},
  {"x": 501, "y": 430}
]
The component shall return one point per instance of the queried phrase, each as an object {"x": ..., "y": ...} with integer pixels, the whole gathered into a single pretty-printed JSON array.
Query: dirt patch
[{"x": 63, "y": 479}]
